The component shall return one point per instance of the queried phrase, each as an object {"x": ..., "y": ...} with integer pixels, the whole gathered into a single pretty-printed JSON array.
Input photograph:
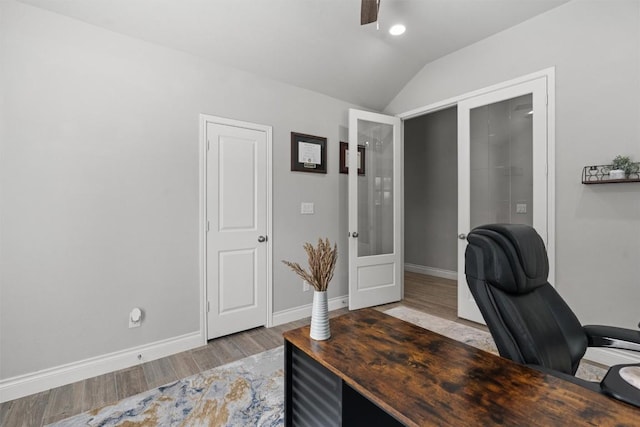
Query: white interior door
[
  {"x": 502, "y": 167},
  {"x": 237, "y": 220},
  {"x": 375, "y": 202}
]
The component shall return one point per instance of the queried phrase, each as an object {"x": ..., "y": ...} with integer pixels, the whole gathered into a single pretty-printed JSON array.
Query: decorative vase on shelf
[
  {"x": 322, "y": 263},
  {"x": 320, "y": 317},
  {"x": 616, "y": 174}
]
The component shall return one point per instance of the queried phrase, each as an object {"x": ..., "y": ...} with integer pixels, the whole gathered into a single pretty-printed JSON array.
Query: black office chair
[{"x": 506, "y": 267}]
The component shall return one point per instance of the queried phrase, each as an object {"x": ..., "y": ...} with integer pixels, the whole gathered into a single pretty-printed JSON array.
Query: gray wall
[
  {"x": 431, "y": 190},
  {"x": 99, "y": 175},
  {"x": 595, "y": 47}
]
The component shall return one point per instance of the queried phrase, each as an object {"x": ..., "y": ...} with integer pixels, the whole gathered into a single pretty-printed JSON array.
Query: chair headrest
[{"x": 514, "y": 257}]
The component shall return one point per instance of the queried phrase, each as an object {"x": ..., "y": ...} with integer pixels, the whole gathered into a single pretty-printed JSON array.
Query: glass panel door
[
  {"x": 375, "y": 243},
  {"x": 375, "y": 189},
  {"x": 502, "y": 160}
]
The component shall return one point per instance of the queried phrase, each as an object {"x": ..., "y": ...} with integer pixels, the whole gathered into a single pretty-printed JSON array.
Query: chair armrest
[{"x": 613, "y": 337}]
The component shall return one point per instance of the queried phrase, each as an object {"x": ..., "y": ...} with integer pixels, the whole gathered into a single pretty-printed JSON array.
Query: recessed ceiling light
[{"x": 397, "y": 29}]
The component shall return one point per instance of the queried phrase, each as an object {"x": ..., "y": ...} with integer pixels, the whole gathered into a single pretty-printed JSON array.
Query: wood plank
[
  {"x": 130, "y": 381},
  {"x": 248, "y": 345},
  {"x": 205, "y": 358},
  {"x": 183, "y": 364},
  {"x": 99, "y": 391},
  {"x": 225, "y": 350},
  {"x": 159, "y": 372},
  {"x": 25, "y": 412},
  {"x": 422, "y": 378},
  {"x": 64, "y": 402},
  {"x": 266, "y": 339},
  {"x": 5, "y": 408}
]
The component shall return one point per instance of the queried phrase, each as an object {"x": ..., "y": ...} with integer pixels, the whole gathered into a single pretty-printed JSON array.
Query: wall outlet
[
  {"x": 135, "y": 318},
  {"x": 521, "y": 208},
  {"x": 305, "y": 286},
  {"x": 307, "y": 208}
]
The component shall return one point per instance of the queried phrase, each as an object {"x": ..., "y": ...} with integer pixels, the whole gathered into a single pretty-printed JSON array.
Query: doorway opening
[{"x": 431, "y": 193}]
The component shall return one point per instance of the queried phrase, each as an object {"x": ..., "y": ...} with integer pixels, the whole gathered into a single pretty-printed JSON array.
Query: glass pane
[
  {"x": 375, "y": 189},
  {"x": 502, "y": 162}
]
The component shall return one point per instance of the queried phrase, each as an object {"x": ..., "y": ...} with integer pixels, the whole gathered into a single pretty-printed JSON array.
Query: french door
[
  {"x": 375, "y": 202},
  {"x": 502, "y": 167}
]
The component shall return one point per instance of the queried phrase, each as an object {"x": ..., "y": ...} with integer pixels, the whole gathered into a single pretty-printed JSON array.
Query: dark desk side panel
[{"x": 314, "y": 394}]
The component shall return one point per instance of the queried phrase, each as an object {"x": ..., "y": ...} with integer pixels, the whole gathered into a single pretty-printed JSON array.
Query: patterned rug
[{"x": 250, "y": 392}]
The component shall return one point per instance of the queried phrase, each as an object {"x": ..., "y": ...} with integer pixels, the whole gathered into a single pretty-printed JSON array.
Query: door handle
[
  {"x": 462, "y": 236},
  {"x": 354, "y": 234},
  {"x": 262, "y": 239}
]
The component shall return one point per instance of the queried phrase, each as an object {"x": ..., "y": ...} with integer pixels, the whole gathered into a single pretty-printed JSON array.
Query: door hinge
[
  {"x": 208, "y": 306},
  {"x": 208, "y": 226},
  {"x": 208, "y": 145}
]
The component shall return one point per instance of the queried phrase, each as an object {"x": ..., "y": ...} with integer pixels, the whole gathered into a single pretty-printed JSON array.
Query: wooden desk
[{"x": 375, "y": 364}]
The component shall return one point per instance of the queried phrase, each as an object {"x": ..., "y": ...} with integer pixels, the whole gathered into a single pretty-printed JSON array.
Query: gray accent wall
[
  {"x": 431, "y": 190},
  {"x": 99, "y": 175},
  {"x": 594, "y": 46}
]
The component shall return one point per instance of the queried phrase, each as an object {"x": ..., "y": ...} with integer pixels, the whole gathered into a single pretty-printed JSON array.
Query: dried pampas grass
[{"x": 322, "y": 263}]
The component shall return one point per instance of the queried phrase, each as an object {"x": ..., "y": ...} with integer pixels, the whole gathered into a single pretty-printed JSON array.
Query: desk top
[{"x": 423, "y": 378}]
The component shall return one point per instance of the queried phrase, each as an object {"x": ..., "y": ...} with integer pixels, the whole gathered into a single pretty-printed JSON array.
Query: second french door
[{"x": 502, "y": 167}]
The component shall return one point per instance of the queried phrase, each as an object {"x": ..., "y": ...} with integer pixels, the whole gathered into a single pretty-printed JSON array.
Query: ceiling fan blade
[{"x": 369, "y": 11}]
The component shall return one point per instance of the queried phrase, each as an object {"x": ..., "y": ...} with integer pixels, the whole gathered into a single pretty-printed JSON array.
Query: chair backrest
[{"x": 506, "y": 267}]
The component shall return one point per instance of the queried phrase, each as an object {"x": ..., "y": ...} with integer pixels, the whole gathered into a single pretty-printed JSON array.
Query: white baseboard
[
  {"x": 297, "y": 313},
  {"x": 24, "y": 385},
  {"x": 431, "y": 271},
  {"x": 610, "y": 356}
]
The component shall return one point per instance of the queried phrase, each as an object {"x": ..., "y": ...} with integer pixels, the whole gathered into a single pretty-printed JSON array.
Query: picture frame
[
  {"x": 344, "y": 163},
  {"x": 308, "y": 153}
]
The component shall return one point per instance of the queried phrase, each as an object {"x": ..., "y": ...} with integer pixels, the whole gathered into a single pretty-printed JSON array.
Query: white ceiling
[{"x": 313, "y": 44}]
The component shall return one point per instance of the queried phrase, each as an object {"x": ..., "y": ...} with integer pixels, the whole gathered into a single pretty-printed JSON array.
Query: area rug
[
  {"x": 248, "y": 392},
  {"x": 475, "y": 337}
]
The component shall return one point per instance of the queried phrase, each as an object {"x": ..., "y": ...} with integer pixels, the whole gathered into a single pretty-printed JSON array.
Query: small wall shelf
[{"x": 599, "y": 174}]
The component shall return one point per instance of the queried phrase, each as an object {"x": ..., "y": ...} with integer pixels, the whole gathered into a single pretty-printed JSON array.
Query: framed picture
[
  {"x": 308, "y": 153},
  {"x": 344, "y": 158}
]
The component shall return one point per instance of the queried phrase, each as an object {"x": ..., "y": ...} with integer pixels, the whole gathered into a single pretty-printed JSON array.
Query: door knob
[
  {"x": 462, "y": 236},
  {"x": 354, "y": 234},
  {"x": 262, "y": 239}
]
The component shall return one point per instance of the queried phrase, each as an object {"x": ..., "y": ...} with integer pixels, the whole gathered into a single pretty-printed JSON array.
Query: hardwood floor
[{"x": 432, "y": 295}]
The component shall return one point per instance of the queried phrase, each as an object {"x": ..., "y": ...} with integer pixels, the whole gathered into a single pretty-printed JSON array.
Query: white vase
[{"x": 320, "y": 317}]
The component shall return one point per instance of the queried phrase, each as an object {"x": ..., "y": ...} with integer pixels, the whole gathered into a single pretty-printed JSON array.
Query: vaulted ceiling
[{"x": 314, "y": 44}]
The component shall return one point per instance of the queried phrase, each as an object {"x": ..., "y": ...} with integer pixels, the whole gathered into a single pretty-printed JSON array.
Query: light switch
[
  {"x": 306, "y": 208},
  {"x": 521, "y": 208}
]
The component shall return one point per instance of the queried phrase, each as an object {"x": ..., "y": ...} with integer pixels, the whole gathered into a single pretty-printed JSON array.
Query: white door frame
[
  {"x": 202, "y": 229},
  {"x": 549, "y": 73}
]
